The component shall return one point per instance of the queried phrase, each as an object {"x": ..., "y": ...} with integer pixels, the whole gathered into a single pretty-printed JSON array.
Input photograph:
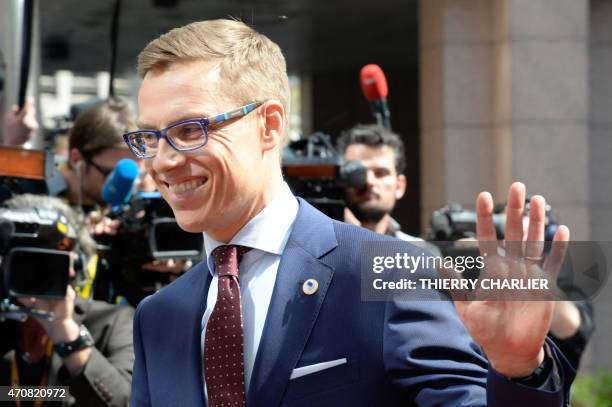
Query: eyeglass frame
[
  {"x": 204, "y": 122},
  {"x": 88, "y": 157}
]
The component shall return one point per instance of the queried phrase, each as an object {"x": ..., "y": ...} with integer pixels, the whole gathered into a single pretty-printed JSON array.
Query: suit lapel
[
  {"x": 187, "y": 363},
  {"x": 292, "y": 313},
  {"x": 201, "y": 294}
]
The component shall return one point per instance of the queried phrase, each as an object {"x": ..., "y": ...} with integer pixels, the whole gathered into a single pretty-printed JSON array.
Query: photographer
[
  {"x": 95, "y": 146},
  {"x": 382, "y": 152},
  {"x": 88, "y": 344}
]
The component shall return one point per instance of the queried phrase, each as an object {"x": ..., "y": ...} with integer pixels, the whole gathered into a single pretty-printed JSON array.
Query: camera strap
[{"x": 43, "y": 381}]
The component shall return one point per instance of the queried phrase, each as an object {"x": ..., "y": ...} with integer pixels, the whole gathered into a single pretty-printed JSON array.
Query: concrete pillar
[
  {"x": 457, "y": 102},
  {"x": 504, "y": 96},
  {"x": 550, "y": 104},
  {"x": 600, "y": 165}
]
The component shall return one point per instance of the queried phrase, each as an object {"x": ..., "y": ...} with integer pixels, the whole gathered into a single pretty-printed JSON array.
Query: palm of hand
[{"x": 512, "y": 331}]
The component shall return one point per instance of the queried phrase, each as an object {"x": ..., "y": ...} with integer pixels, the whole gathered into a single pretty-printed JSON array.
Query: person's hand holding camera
[
  {"x": 63, "y": 328},
  {"x": 101, "y": 225}
]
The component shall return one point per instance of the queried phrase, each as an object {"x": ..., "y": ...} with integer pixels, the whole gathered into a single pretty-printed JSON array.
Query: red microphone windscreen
[{"x": 373, "y": 82}]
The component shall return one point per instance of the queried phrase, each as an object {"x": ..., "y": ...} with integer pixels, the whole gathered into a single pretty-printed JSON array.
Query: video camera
[
  {"x": 148, "y": 231},
  {"x": 315, "y": 171},
  {"x": 454, "y": 222},
  {"x": 36, "y": 245}
]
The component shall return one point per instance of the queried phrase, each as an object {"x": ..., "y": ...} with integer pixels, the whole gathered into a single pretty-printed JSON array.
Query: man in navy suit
[{"x": 213, "y": 110}]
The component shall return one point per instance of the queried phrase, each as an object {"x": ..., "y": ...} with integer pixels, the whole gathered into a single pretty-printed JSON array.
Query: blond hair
[{"x": 252, "y": 67}]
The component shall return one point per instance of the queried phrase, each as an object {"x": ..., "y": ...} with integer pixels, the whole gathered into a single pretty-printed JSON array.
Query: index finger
[{"x": 515, "y": 210}]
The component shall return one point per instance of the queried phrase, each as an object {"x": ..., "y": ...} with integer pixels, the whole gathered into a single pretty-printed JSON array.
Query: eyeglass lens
[{"x": 183, "y": 136}]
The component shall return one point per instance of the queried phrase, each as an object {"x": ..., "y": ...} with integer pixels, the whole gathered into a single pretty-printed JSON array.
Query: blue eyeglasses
[{"x": 187, "y": 135}]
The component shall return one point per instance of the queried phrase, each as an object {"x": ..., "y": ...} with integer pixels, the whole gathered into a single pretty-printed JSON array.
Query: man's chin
[
  {"x": 190, "y": 223},
  {"x": 366, "y": 213}
]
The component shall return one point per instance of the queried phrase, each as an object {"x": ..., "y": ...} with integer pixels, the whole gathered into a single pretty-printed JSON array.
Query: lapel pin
[{"x": 310, "y": 286}]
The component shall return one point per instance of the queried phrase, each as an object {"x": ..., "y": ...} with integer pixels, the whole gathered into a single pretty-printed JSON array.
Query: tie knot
[{"x": 227, "y": 258}]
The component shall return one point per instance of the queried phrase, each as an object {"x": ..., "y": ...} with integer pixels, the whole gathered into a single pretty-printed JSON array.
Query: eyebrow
[{"x": 181, "y": 118}]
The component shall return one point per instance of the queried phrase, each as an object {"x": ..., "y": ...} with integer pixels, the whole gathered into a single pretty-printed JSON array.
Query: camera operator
[
  {"x": 88, "y": 344},
  {"x": 382, "y": 152}
]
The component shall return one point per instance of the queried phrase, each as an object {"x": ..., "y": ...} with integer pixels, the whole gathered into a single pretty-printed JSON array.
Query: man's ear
[
  {"x": 274, "y": 125},
  {"x": 75, "y": 158},
  {"x": 401, "y": 186}
]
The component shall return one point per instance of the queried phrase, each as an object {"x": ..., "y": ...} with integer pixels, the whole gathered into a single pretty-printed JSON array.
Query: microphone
[
  {"x": 375, "y": 90},
  {"x": 119, "y": 185}
]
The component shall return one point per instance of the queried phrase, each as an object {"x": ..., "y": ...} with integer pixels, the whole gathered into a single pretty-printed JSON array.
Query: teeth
[{"x": 185, "y": 186}]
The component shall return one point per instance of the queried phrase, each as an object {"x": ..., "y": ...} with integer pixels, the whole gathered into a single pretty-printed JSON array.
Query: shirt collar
[
  {"x": 268, "y": 231},
  {"x": 393, "y": 227}
]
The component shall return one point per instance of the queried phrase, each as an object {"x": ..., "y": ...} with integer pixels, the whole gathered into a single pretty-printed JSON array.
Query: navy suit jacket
[{"x": 397, "y": 353}]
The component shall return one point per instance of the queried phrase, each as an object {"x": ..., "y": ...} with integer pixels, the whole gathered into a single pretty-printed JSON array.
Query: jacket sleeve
[
  {"x": 433, "y": 361},
  {"x": 106, "y": 378},
  {"x": 140, "y": 385},
  {"x": 554, "y": 392}
]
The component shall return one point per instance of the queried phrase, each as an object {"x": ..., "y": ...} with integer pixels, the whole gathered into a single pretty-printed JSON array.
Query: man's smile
[{"x": 185, "y": 186}]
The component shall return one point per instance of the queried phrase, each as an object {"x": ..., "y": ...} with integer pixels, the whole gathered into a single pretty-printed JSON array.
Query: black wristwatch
[
  {"x": 85, "y": 340},
  {"x": 540, "y": 375}
]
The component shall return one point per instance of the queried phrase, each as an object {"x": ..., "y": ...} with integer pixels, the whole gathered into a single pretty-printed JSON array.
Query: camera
[
  {"x": 454, "y": 222},
  {"x": 315, "y": 171},
  {"x": 148, "y": 231},
  {"x": 35, "y": 246}
]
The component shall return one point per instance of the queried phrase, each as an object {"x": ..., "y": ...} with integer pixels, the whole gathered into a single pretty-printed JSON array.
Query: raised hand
[{"x": 511, "y": 331}]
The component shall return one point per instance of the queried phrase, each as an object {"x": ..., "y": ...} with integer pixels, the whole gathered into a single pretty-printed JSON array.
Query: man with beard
[{"x": 382, "y": 152}]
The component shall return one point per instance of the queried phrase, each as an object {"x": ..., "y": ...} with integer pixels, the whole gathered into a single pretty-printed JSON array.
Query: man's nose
[
  {"x": 370, "y": 178},
  {"x": 167, "y": 157}
]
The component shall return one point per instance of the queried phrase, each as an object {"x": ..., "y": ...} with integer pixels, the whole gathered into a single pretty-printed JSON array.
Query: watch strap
[{"x": 84, "y": 340}]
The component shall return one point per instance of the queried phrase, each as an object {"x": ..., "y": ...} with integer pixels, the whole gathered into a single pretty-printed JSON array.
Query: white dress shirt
[{"x": 267, "y": 233}]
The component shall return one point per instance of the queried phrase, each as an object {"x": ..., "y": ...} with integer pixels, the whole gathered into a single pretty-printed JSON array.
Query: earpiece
[{"x": 77, "y": 168}]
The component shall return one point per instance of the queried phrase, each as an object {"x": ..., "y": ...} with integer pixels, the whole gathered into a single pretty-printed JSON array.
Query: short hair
[
  {"x": 100, "y": 127},
  {"x": 375, "y": 135},
  {"x": 251, "y": 65},
  {"x": 84, "y": 239}
]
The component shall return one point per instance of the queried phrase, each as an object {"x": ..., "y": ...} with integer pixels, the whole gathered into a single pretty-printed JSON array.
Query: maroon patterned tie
[{"x": 223, "y": 341}]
